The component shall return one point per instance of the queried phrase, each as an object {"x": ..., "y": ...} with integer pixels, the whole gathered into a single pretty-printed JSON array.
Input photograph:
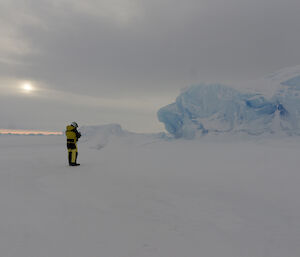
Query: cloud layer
[{"x": 140, "y": 49}]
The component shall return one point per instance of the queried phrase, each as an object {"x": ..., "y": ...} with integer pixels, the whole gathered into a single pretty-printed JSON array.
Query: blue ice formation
[{"x": 215, "y": 108}]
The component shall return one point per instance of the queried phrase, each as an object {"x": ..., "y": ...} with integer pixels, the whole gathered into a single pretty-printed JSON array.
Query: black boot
[
  {"x": 74, "y": 164},
  {"x": 70, "y": 159}
]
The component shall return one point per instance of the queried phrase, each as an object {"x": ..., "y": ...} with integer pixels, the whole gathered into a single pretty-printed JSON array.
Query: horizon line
[{"x": 28, "y": 132}]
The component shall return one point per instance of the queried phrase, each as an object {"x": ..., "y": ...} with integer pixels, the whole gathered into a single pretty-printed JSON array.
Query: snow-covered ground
[{"x": 141, "y": 196}]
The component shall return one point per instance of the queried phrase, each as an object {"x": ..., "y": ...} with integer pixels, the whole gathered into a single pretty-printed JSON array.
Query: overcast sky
[{"x": 119, "y": 61}]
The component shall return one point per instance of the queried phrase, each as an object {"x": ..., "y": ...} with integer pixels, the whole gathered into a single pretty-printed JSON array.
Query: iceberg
[{"x": 216, "y": 108}]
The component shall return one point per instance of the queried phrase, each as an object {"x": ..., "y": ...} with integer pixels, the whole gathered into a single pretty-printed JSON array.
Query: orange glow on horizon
[{"x": 28, "y": 132}]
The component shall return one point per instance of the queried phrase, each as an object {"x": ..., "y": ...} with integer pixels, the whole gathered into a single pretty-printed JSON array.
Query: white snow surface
[{"x": 144, "y": 196}]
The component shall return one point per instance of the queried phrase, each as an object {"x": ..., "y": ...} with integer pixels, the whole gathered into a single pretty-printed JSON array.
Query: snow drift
[
  {"x": 269, "y": 105},
  {"x": 100, "y": 136}
]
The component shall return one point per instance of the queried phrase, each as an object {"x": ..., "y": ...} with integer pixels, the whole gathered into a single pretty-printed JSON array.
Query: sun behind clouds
[{"x": 27, "y": 88}]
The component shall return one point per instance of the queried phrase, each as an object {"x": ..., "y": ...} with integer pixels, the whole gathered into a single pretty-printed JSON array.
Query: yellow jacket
[{"x": 72, "y": 134}]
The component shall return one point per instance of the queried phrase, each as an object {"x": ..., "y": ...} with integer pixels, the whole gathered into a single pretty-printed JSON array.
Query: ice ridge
[{"x": 216, "y": 108}]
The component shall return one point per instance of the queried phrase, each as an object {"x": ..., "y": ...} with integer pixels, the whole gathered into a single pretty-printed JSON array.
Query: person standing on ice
[{"x": 72, "y": 137}]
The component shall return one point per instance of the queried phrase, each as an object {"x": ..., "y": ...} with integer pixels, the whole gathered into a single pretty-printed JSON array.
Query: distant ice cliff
[{"x": 271, "y": 105}]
